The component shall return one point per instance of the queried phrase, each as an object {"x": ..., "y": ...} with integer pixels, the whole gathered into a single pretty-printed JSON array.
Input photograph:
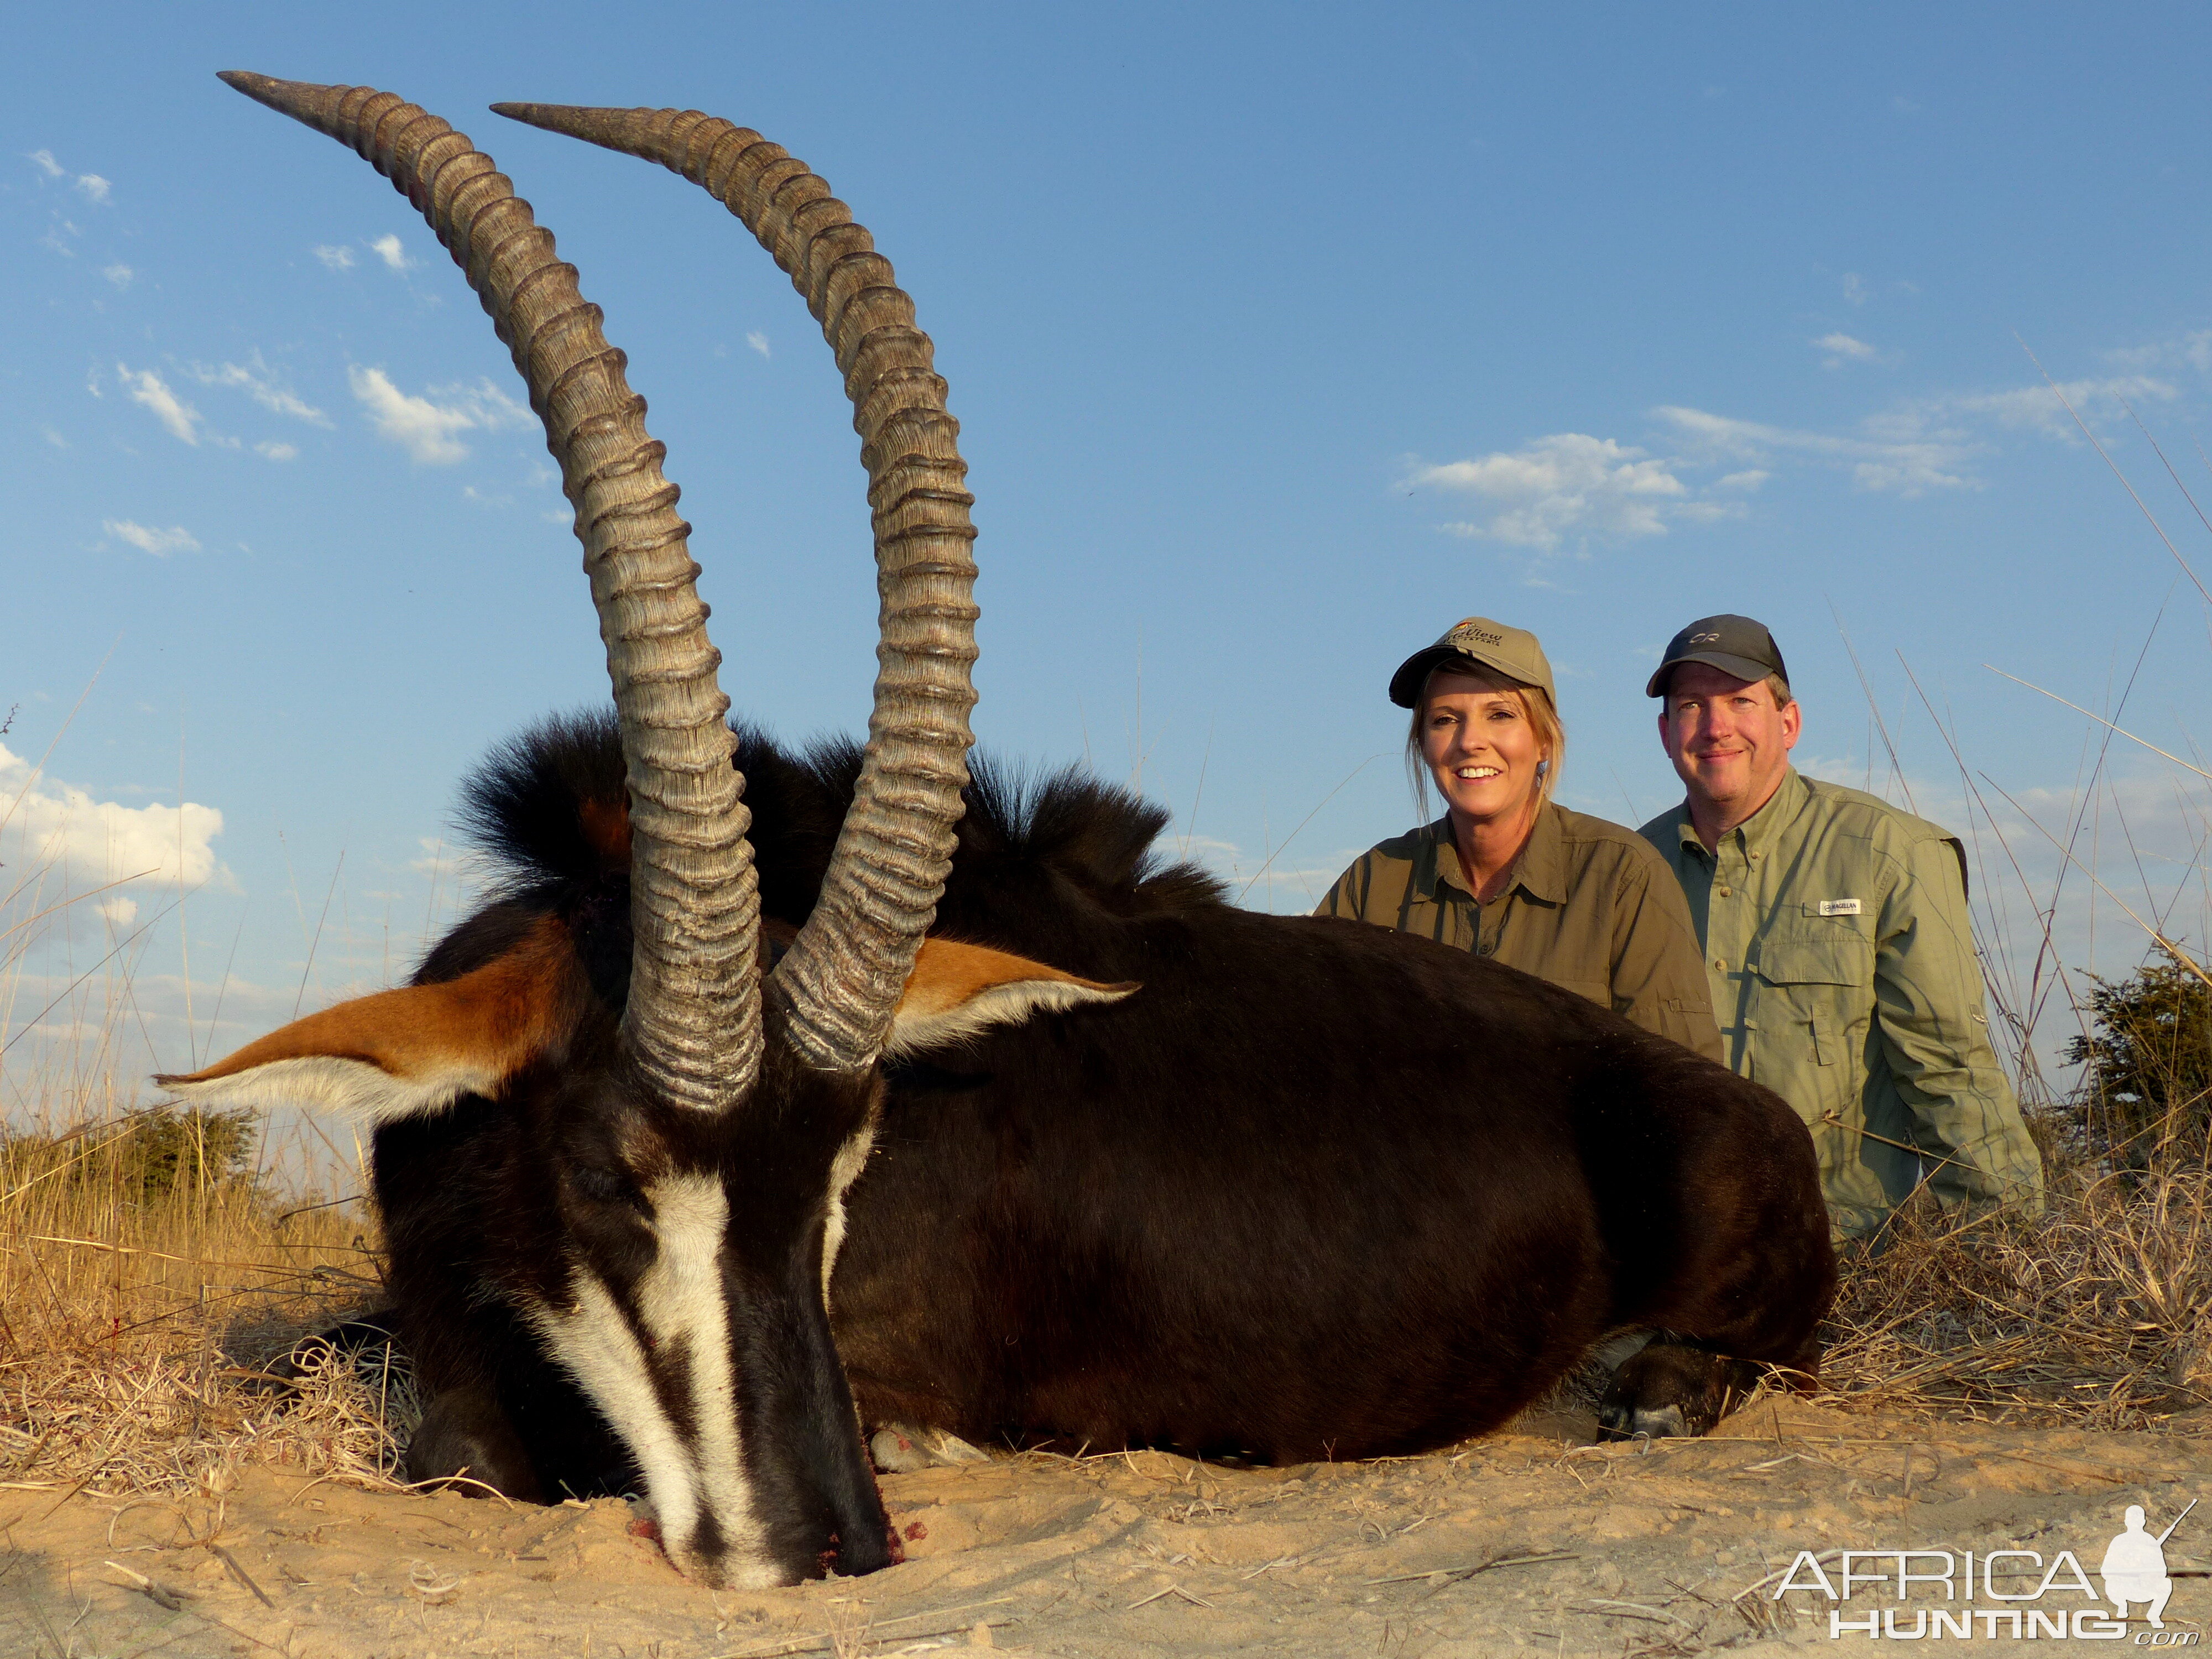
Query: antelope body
[{"x": 691, "y": 1136}]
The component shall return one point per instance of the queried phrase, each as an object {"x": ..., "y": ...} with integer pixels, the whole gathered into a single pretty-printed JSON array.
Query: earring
[{"x": 1543, "y": 767}]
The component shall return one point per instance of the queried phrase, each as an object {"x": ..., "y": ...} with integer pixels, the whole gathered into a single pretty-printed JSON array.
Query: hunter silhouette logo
[
  {"x": 2134, "y": 1568},
  {"x": 2025, "y": 1593}
]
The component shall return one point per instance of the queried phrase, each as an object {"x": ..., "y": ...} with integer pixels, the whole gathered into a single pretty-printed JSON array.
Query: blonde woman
[{"x": 1507, "y": 872}]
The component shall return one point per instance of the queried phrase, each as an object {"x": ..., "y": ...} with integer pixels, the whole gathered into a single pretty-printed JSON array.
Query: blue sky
[{"x": 1282, "y": 337}]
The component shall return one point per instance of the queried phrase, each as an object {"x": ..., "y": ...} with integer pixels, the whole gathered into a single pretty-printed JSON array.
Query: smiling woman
[{"x": 1508, "y": 872}]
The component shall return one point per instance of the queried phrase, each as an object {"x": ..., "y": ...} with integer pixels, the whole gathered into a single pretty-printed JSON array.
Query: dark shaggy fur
[{"x": 1068, "y": 836}]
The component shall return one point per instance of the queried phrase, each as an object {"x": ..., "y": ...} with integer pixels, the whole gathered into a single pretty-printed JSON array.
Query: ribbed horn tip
[
  {"x": 303, "y": 101},
  {"x": 612, "y": 129}
]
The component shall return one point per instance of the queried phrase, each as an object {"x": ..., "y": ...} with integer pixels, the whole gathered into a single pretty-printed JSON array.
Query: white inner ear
[
  {"x": 354, "y": 1088},
  {"x": 1009, "y": 1004}
]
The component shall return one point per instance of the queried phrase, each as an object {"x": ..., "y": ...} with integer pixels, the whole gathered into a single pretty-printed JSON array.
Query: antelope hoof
[{"x": 901, "y": 1449}]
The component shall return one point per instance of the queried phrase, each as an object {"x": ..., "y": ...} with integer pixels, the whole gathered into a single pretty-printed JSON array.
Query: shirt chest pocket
[
  {"x": 1813, "y": 987},
  {"x": 1595, "y": 990}
]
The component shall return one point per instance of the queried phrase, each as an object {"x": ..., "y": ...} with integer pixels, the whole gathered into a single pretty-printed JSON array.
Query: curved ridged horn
[
  {"x": 693, "y": 1021},
  {"x": 843, "y": 974}
]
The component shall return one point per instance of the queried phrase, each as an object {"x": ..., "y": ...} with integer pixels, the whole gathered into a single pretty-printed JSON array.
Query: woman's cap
[
  {"x": 1512, "y": 652},
  {"x": 1735, "y": 645}
]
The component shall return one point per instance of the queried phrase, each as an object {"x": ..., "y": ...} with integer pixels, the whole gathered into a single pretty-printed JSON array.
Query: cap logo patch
[
  {"x": 1839, "y": 906},
  {"x": 1705, "y": 639},
  {"x": 1476, "y": 636}
]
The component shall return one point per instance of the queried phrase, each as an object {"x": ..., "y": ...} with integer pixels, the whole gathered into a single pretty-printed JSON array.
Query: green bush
[
  {"x": 148, "y": 1156},
  {"x": 2147, "y": 1085}
]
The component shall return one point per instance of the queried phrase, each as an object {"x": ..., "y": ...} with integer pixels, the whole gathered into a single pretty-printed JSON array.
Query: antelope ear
[
  {"x": 958, "y": 990},
  {"x": 415, "y": 1050}
]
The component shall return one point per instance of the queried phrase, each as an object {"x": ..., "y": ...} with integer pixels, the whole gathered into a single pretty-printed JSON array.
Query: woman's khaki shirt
[{"x": 1591, "y": 907}]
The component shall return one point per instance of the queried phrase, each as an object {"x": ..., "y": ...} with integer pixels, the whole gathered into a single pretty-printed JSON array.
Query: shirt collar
[
  {"x": 1542, "y": 872},
  {"x": 1768, "y": 824},
  {"x": 1757, "y": 833}
]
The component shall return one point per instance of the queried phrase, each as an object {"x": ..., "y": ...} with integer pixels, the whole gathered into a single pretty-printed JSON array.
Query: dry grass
[
  {"x": 134, "y": 1327},
  {"x": 2099, "y": 1313}
]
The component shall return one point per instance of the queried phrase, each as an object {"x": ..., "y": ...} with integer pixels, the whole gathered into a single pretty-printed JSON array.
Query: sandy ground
[{"x": 1532, "y": 1540}]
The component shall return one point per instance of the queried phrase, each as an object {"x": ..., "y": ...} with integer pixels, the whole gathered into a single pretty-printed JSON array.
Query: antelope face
[{"x": 683, "y": 1291}]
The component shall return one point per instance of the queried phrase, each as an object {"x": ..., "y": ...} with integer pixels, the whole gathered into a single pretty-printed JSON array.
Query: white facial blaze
[
  {"x": 844, "y": 1170},
  {"x": 678, "y": 1301}
]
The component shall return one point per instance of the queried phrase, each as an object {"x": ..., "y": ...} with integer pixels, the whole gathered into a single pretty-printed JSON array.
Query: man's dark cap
[{"x": 1735, "y": 645}]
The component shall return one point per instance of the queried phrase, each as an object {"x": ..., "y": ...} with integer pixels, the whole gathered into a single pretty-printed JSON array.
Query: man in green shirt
[{"x": 1836, "y": 943}]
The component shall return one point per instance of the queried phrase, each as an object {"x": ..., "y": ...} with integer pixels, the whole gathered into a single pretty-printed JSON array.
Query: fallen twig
[{"x": 1480, "y": 1566}]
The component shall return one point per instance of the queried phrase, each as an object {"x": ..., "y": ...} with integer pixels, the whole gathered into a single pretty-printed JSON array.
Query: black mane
[{"x": 1069, "y": 841}]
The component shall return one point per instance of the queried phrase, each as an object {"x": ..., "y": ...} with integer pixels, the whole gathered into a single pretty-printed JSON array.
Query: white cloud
[
  {"x": 44, "y": 161},
  {"x": 119, "y": 912},
  {"x": 258, "y": 381},
  {"x": 148, "y": 388},
  {"x": 1907, "y": 462},
  {"x": 1574, "y": 486},
  {"x": 423, "y": 425},
  {"x": 1855, "y": 288},
  {"x": 439, "y": 857},
  {"x": 337, "y": 258},
  {"x": 118, "y": 273},
  {"x": 758, "y": 342},
  {"x": 276, "y": 452},
  {"x": 53, "y": 437},
  {"x": 454, "y": 873},
  {"x": 1926, "y": 443},
  {"x": 1267, "y": 880},
  {"x": 388, "y": 249},
  {"x": 54, "y": 826},
  {"x": 2038, "y": 408},
  {"x": 95, "y": 187},
  {"x": 1840, "y": 347},
  {"x": 1569, "y": 484},
  {"x": 159, "y": 543}
]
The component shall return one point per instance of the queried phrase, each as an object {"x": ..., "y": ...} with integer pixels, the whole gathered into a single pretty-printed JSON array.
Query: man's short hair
[{"x": 1776, "y": 685}]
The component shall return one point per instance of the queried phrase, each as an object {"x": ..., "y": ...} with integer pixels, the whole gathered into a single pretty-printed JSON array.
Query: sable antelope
[{"x": 660, "y": 1121}]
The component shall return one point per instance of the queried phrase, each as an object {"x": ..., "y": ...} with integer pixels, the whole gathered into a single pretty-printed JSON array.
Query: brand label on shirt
[{"x": 1839, "y": 906}]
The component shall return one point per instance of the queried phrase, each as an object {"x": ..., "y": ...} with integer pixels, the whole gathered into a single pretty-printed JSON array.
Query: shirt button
[
  {"x": 1728, "y": 892},
  {"x": 1721, "y": 963}
]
